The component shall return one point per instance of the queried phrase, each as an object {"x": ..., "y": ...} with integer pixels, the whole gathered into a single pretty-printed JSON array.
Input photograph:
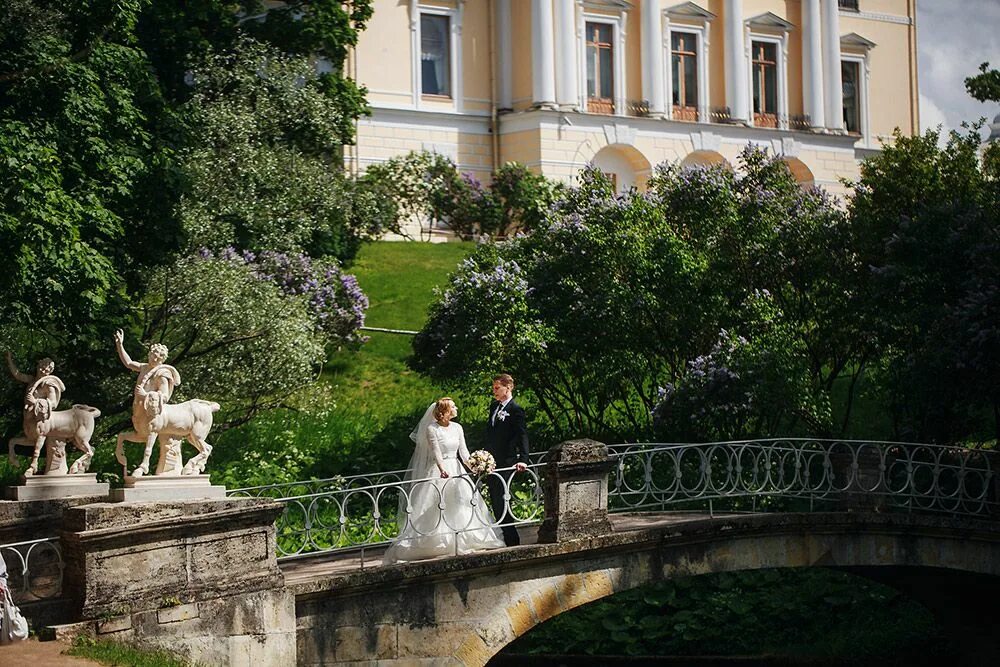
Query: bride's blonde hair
[{"x": 443, "y": 407}]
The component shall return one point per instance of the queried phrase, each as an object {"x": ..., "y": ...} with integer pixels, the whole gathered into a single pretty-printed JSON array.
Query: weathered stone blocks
[{"x": 576, "y": 491}]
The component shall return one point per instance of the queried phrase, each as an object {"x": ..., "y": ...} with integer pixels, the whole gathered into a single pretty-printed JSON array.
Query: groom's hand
[{"x": 520, "y": 467}]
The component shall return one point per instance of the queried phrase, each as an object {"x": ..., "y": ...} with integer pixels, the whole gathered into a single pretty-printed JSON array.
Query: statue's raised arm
[
  {"x": 16, "y": 374},
  {"x": 133, "y": 366}
]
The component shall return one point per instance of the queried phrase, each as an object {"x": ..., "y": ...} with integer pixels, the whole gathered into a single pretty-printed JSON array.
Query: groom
[{"x": 507, "y": 441}]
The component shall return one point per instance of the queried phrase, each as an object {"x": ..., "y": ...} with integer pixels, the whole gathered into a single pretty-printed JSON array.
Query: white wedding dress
[{"x": 444, "y": 517}]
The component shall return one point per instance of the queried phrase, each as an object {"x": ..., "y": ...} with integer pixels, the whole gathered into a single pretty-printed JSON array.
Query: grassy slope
[{"x": 367, "y": 400}]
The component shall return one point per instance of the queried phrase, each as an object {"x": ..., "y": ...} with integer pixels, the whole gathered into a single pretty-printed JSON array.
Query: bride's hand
[{"x": 444, "y": 474}]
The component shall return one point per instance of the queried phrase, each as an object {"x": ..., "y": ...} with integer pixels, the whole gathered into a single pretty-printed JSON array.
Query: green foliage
[
  {"x": 622, "y": 294},
  {"x": 984, "y": 86},
  {"x": 429, "y": 190},
  {"x": 109, "y": 158},
  {"x": 234, "y": 338},
  {"x": 78, "y": 155},
  {"x": 357, "y": 417},
  {"x": 262, "y": 169},
  {"x": 817, "y": 613},
  {"x": 925, "y": 220},
  {"x": 122, "y": 655}
]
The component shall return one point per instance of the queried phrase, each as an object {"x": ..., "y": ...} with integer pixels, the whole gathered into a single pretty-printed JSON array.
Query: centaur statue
[
  {"x": 48, "y": 427},
  {"x": 154, "y": 417}
]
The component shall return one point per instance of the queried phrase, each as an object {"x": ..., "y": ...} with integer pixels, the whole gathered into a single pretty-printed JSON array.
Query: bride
[{"x": 446, "y": 514}]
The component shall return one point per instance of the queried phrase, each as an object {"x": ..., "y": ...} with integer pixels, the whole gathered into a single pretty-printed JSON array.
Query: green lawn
[{"x": 358, "y": 416}]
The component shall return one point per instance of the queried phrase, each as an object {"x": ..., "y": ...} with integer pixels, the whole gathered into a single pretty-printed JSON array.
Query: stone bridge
[
  {"x": 463, "y": 610},
  {"x": 204, "y": 578}
]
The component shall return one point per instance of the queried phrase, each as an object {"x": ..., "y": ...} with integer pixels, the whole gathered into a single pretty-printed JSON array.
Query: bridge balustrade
[
  {"x": 805, "y": 475},
  {"x": 790, "y": 474}
]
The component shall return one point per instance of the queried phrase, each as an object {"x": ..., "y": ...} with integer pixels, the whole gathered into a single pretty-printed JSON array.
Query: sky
[{"x": 953, "y": 38}]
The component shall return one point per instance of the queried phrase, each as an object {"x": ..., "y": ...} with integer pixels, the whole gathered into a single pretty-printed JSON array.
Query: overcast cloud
[{"x": 953, "y": 38}]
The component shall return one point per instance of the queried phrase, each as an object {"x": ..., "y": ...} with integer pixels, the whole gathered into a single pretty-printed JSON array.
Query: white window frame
[
  {"x": 701, "y": 33},
  {"x": 617, "y": 24},
  {"x": 864, "y": 71},
  {"x": 781, "y": 41},
  {"x": 455, "y": 48}
]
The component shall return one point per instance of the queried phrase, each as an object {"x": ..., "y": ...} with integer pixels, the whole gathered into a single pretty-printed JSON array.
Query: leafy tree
[
  {"x": 101, "y": 135},
  {"x": 984, "y": 86},
  {"x": 249, "y": 330},
  {"x": 924, "y": 219},
  {"x": 620, "y": 295},
  {"x": 261, "y": 163},
  {"x": 430, "y": 190}
]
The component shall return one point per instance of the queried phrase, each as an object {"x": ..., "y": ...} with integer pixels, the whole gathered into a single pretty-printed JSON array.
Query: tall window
[
  {"x": 435, "y": 55},
  {"x": 765, "y": 84},
  {"x": 600, "y": 68},
  {"x": 848, "y": 4},
  {"x": 850, "y": 73},
  {"x": 685, "y": 75}
]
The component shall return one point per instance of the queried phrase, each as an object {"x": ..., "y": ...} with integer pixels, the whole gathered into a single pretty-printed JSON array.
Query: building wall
[{"x": 559, "y": 144}]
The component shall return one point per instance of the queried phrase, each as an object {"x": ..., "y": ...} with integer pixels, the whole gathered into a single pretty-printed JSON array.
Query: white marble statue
[
  {"x": 46, "y": 426},
  {"x": 154, "y": 417}
]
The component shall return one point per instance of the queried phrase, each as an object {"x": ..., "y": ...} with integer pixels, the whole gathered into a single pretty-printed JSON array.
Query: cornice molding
[{"x": 874, "y": 16}]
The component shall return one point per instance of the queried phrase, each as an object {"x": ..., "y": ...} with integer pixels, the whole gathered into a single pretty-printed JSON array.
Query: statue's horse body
[
  {"x": 153, "y": 417},
  {"x": 41, "y": 422}
]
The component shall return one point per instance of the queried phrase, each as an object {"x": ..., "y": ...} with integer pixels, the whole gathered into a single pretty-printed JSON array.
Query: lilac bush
[{"x": 334, "y": 299}]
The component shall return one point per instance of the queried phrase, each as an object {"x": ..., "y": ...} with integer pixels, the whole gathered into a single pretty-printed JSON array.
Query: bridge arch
[{"x": 726, "y": 545}]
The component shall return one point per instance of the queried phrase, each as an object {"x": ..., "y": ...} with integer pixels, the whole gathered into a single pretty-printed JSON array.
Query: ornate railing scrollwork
[
  {"x": 788, "y": 474},
  {"x": 362, "y": 510},
  {"x": 34, "y": 569},
  {"x": 803, "y": 475}
]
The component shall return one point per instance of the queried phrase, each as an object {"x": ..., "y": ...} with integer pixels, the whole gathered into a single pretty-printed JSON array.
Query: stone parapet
[
  {"x": 576, "y": 491},
  {"x": 137, "y": 554},
  {"x": 198, "y": 577}
]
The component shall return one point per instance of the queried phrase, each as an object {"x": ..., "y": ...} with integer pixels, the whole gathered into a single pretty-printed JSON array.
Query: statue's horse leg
[
  {"x": 196, "y": 465},
  {"x": 33, "y": 466},
  {"x": 123, "y": 437},
  {"x": 82, "y": 442},
  {"x": 143, "y": 468},
  {"x": 11, "y": 455}
]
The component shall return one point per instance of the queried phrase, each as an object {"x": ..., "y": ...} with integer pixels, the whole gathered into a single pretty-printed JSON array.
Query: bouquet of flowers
[{"x": 481, "y": 462}]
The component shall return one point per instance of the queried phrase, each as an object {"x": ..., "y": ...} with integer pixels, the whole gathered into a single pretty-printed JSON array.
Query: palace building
[{"x": 628, "y": 84}]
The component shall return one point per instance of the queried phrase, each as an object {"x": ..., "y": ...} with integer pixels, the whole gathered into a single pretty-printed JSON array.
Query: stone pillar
[
  {"x": 199, "y": 578},
  {"x": 737, "y": 86},
  {"x": 652, "y": 57},
  {"x": 812, "y": 64},
  {"x": 567, "y": 90},
  {"x": 543, "y": 84},
  {"x": 576, "y": 491},
  {"x": 833, "y": 88},
  {"x": 503, "y": 36},
  {"x": 862, "y": 470}
]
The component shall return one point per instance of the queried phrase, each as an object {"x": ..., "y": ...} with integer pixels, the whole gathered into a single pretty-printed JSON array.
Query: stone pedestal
[
  {"x": 576, "y": 491},
  {"x": 52, "y": 487},
  {"x": 199, "y": 578},
  {"x": 155, "y": 487},
  {"x": 864, "y": 490}
]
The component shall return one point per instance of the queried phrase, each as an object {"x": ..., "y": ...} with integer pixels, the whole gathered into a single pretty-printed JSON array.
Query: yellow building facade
[{"x": 626, "y": 85}]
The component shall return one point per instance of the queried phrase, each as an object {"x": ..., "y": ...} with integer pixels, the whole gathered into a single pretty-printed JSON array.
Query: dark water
[{"x": 510, "y": 660}]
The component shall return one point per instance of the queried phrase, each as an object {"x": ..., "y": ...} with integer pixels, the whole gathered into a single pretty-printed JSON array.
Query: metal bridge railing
[
  {"x": 789, "y": 474},
  {"x": 363, "y": 511},
  {"x": 794, "y": 474},
  {"x": 34, "y": 569}
]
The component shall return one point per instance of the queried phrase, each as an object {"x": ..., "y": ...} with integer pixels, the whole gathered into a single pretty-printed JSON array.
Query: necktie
[{"x": 493, "y": 418}]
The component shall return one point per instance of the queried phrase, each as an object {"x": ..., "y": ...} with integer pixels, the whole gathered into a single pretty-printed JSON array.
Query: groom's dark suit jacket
[{"x": 507, "y": 439}]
